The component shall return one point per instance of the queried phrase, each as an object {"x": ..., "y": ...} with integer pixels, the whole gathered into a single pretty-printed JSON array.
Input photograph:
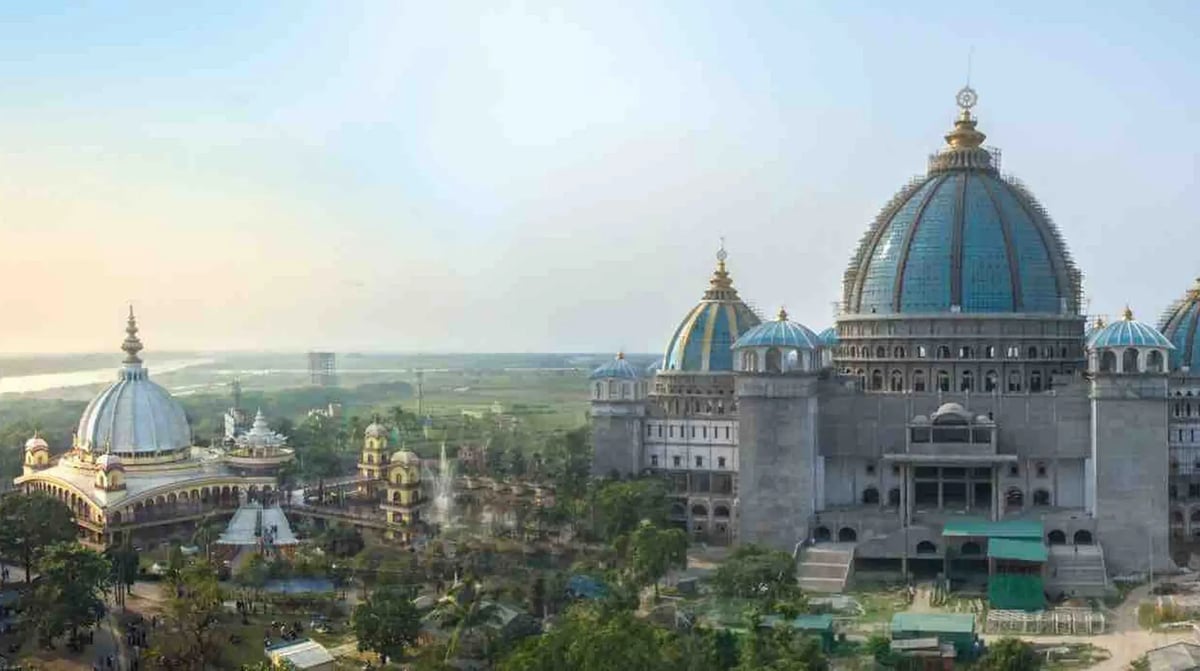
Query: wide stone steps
[
  {"x": 1082, "y": 572},
  {"x": 825, "y": 567}
]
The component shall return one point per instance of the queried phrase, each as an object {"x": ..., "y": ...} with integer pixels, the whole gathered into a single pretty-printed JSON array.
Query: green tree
[
  {"x": 779, "y": 648},
  {"x": 757, "y": 572},
  {"x": 624, "y": 505},
  {"x": 1010, "y": 654},
  {"x": 70, "y": 591},
  {"x": 589, "y": 639},
  {"x": 386, "y": 623},
  {"x": 654, "y": 551},
  {"x": 191, "y": 638},
  {"x": 464, "y": 607},
  {"x": 124, "y": 561},
  {"x": 30, "y": 522}
]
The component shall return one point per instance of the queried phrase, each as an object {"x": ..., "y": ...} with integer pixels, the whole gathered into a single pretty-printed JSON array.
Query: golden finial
[
  {"x": 964, "y": 135},
  {"x": 782, "y": 314},
  {"x": 1194, "y": 292},
  {"x": 132, "y": 344},
  {"x": 620, "y": 356},
  {"x": 720, "y": 285},
  {"x": 1099, "y": 323},
  {"x": 1128, "y": 314}
]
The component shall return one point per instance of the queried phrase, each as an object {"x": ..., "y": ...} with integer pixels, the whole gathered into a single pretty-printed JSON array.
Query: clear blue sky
[{"x": 476, "y": 176}]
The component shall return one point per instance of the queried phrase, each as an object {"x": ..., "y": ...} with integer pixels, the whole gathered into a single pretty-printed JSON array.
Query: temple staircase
[
  {"x": 825, "y": 567},
  {"x": 1076, "y": 570}
]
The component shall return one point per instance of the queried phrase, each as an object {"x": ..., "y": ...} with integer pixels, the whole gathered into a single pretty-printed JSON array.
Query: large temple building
[
  {"x": 960, "y": 415},
  {"x": 132, "y": 470}
]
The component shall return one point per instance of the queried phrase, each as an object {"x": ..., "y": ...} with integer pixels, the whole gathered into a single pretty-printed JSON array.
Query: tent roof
[
  {"x": 1022, "y": 549},
  {"x": 973, "y": 526}
]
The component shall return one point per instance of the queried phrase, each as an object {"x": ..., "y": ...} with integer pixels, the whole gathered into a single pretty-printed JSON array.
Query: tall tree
[
  {"x": 386, "y": 623},
  {"x": 1010, "y": 654},
  {"x": 191, "y": 641},
  {"x": 654, "y": 551},
  {"x": 464, "y": 607},
  {"x": 30, "y": 522},
  {"x": 623, "y": 505},
  {"x": 757, "y": 572},
  {"x": 70, "y": 591}
]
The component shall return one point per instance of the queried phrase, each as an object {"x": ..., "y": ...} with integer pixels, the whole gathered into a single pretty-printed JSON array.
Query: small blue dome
[
  {"x": 779, "y": 333},
  {"x": 1129, "y": 332},
  {"x": 962, "y": 239},
  {"x": 829, "y": 337},
  {"x": 618, "y": 368},
  {"x": 702, "y": 343},
  {"x": 1096, "y": 327},
  {"x": 1179, "y": 324}
]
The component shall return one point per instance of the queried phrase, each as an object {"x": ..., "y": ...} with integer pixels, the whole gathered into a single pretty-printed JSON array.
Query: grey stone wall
[
  {"x": 617, "y": 438},
  {"x": 777, "y": 480},
  {"x": 1129, "y": 439}
]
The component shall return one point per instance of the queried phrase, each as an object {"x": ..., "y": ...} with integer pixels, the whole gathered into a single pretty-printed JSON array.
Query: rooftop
[{"x": 958, "y": 623}]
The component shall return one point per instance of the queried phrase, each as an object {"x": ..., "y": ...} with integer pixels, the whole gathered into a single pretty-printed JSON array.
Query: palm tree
[{"x": 464, "y": 606}]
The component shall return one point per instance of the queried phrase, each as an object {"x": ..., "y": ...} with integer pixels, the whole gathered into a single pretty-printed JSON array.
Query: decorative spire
[
  {"x": 1128, "y": 314},
  {"x": 132, "y": 345},
  {"x": 963, "y": 150},
  {"x": 620, "y": 356},
  {"x": 782, "y": 314},
  {"x": 720, "y": 285},
  {"x": 1099, "y": 323},
  {"x": 1194, "y": 292}
]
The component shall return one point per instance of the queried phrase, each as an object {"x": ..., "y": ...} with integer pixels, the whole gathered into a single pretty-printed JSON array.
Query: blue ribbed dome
[
  {"x": 829, "y": 337},
  {"x": 617, "y": 368},
  {"x": 962, "y": 239},
  {"x": 779, "y": 333},
  {"x": 1096, "y": 327},
  {"x": 703, "y": 340},
  {"x": 1179, "y": 324},
  {"x": 1129, "y": 332}
]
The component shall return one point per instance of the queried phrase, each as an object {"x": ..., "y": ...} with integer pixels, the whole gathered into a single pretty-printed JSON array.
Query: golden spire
[
  {"x": 782, "y": 314},
  {"x": 1099, "y": 323},
  {"x": 132, "y": 345},
  {"x": 620, "y": 356},
  {"x": 1194, "y": 292},
  {"x": 720, "y": 285},
  {"x": 1128, "y": 314},
  {"x": 963, "y": 150}
]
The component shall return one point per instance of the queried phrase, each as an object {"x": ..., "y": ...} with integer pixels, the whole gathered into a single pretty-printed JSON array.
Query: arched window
[
  {"x": 612, "y": 388},
  {"x": 1129, "y": 361},
  {"x": 847, "y": 535},
  {"x": 922, "y": 352},
  {"x": 880, "y": 352},
  {"x": 1083, "y": 537},
  {"x": 865, "y": 353},
  {"x": 971, "y": 549},
  {"x": 870, "y": 496},
  {"x": 965, "y": 352},
  {"x": 1014, "y": 380},
  {"x": 918, "y": 380},
  {"x": 1041, "y": 497},
  {"x": 877, "y": 380},
  {"x": 1035, "y": 381},
  {"x": 1014, "y": 498},
  {"x": 1056, "y": 537},
  {"x": 967, "y": 381},
  {"x": 1154, "y": 361},
  {"x": 721, "y": 511},
  {"x": 989, "y": 352},
  {"x": 991, "y": 381},
  {"x": 1031, "y": 353},
  {"x": 774, "y": 361},
  {"x": 699, "y": 511},
  {"x": 897, "y": 383},
  {"x": 943, "y": 380},
  {"x": 926, "y": 548},
  {"x": 943, "y": 352},
  {"x": 1108, "y": 361},
  {"x": 898, "y": 352}
]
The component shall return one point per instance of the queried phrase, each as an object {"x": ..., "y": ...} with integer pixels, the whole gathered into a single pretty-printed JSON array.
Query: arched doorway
[
  {"x": 847, "y": 535},
  {"x": 1056, "y": 537},
  {"x": 822, "y": 534},
  {"x": 1083, "y": 537}
]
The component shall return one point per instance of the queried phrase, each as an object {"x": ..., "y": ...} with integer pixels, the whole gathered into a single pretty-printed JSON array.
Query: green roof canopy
[
  {"x": 974, "y": 526},
  {"x": 1022, "y": 549},
  {"x": 933, "y": 623},
  {"x": 802, "y": 622}
]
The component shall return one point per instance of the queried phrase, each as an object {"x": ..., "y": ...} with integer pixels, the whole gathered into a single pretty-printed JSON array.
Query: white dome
[
  {"x": 375, "y": 430},
  {"x": 133, "y": 415},
  {"x": 36, "y": 443}
]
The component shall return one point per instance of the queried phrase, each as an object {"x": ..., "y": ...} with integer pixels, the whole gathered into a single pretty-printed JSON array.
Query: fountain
[{"x": 443, "y": 490}]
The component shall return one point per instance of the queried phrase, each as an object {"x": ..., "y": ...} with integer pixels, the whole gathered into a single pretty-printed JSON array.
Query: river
[{"x": 83, "y": 378}]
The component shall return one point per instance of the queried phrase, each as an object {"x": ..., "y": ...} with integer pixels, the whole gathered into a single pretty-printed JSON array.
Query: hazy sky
[{"x": 526, "y": 177}]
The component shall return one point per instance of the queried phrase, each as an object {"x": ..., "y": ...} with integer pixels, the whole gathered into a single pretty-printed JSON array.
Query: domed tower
[
  {"x": 618, "y": 403},
  {"x": 134, "y": 418},
  {"x": 1128, "y": 363},
  {"x": 37, "y": 455},
  {"x": 778, "y": 363},
  {"x": 962, "y": 284},
  {"x": 110, "y": 473},
  {"x": 403, "y": 502},
  {"x": 373, "y": 462}
]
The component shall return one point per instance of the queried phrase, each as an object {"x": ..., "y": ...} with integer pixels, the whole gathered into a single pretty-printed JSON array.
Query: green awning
[
  {"x": 933, "y": 623},
  {"x": 823, "y": 622},
  {"x": 1022, "y": 549},
  {"x": 974, "y": 526}
]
